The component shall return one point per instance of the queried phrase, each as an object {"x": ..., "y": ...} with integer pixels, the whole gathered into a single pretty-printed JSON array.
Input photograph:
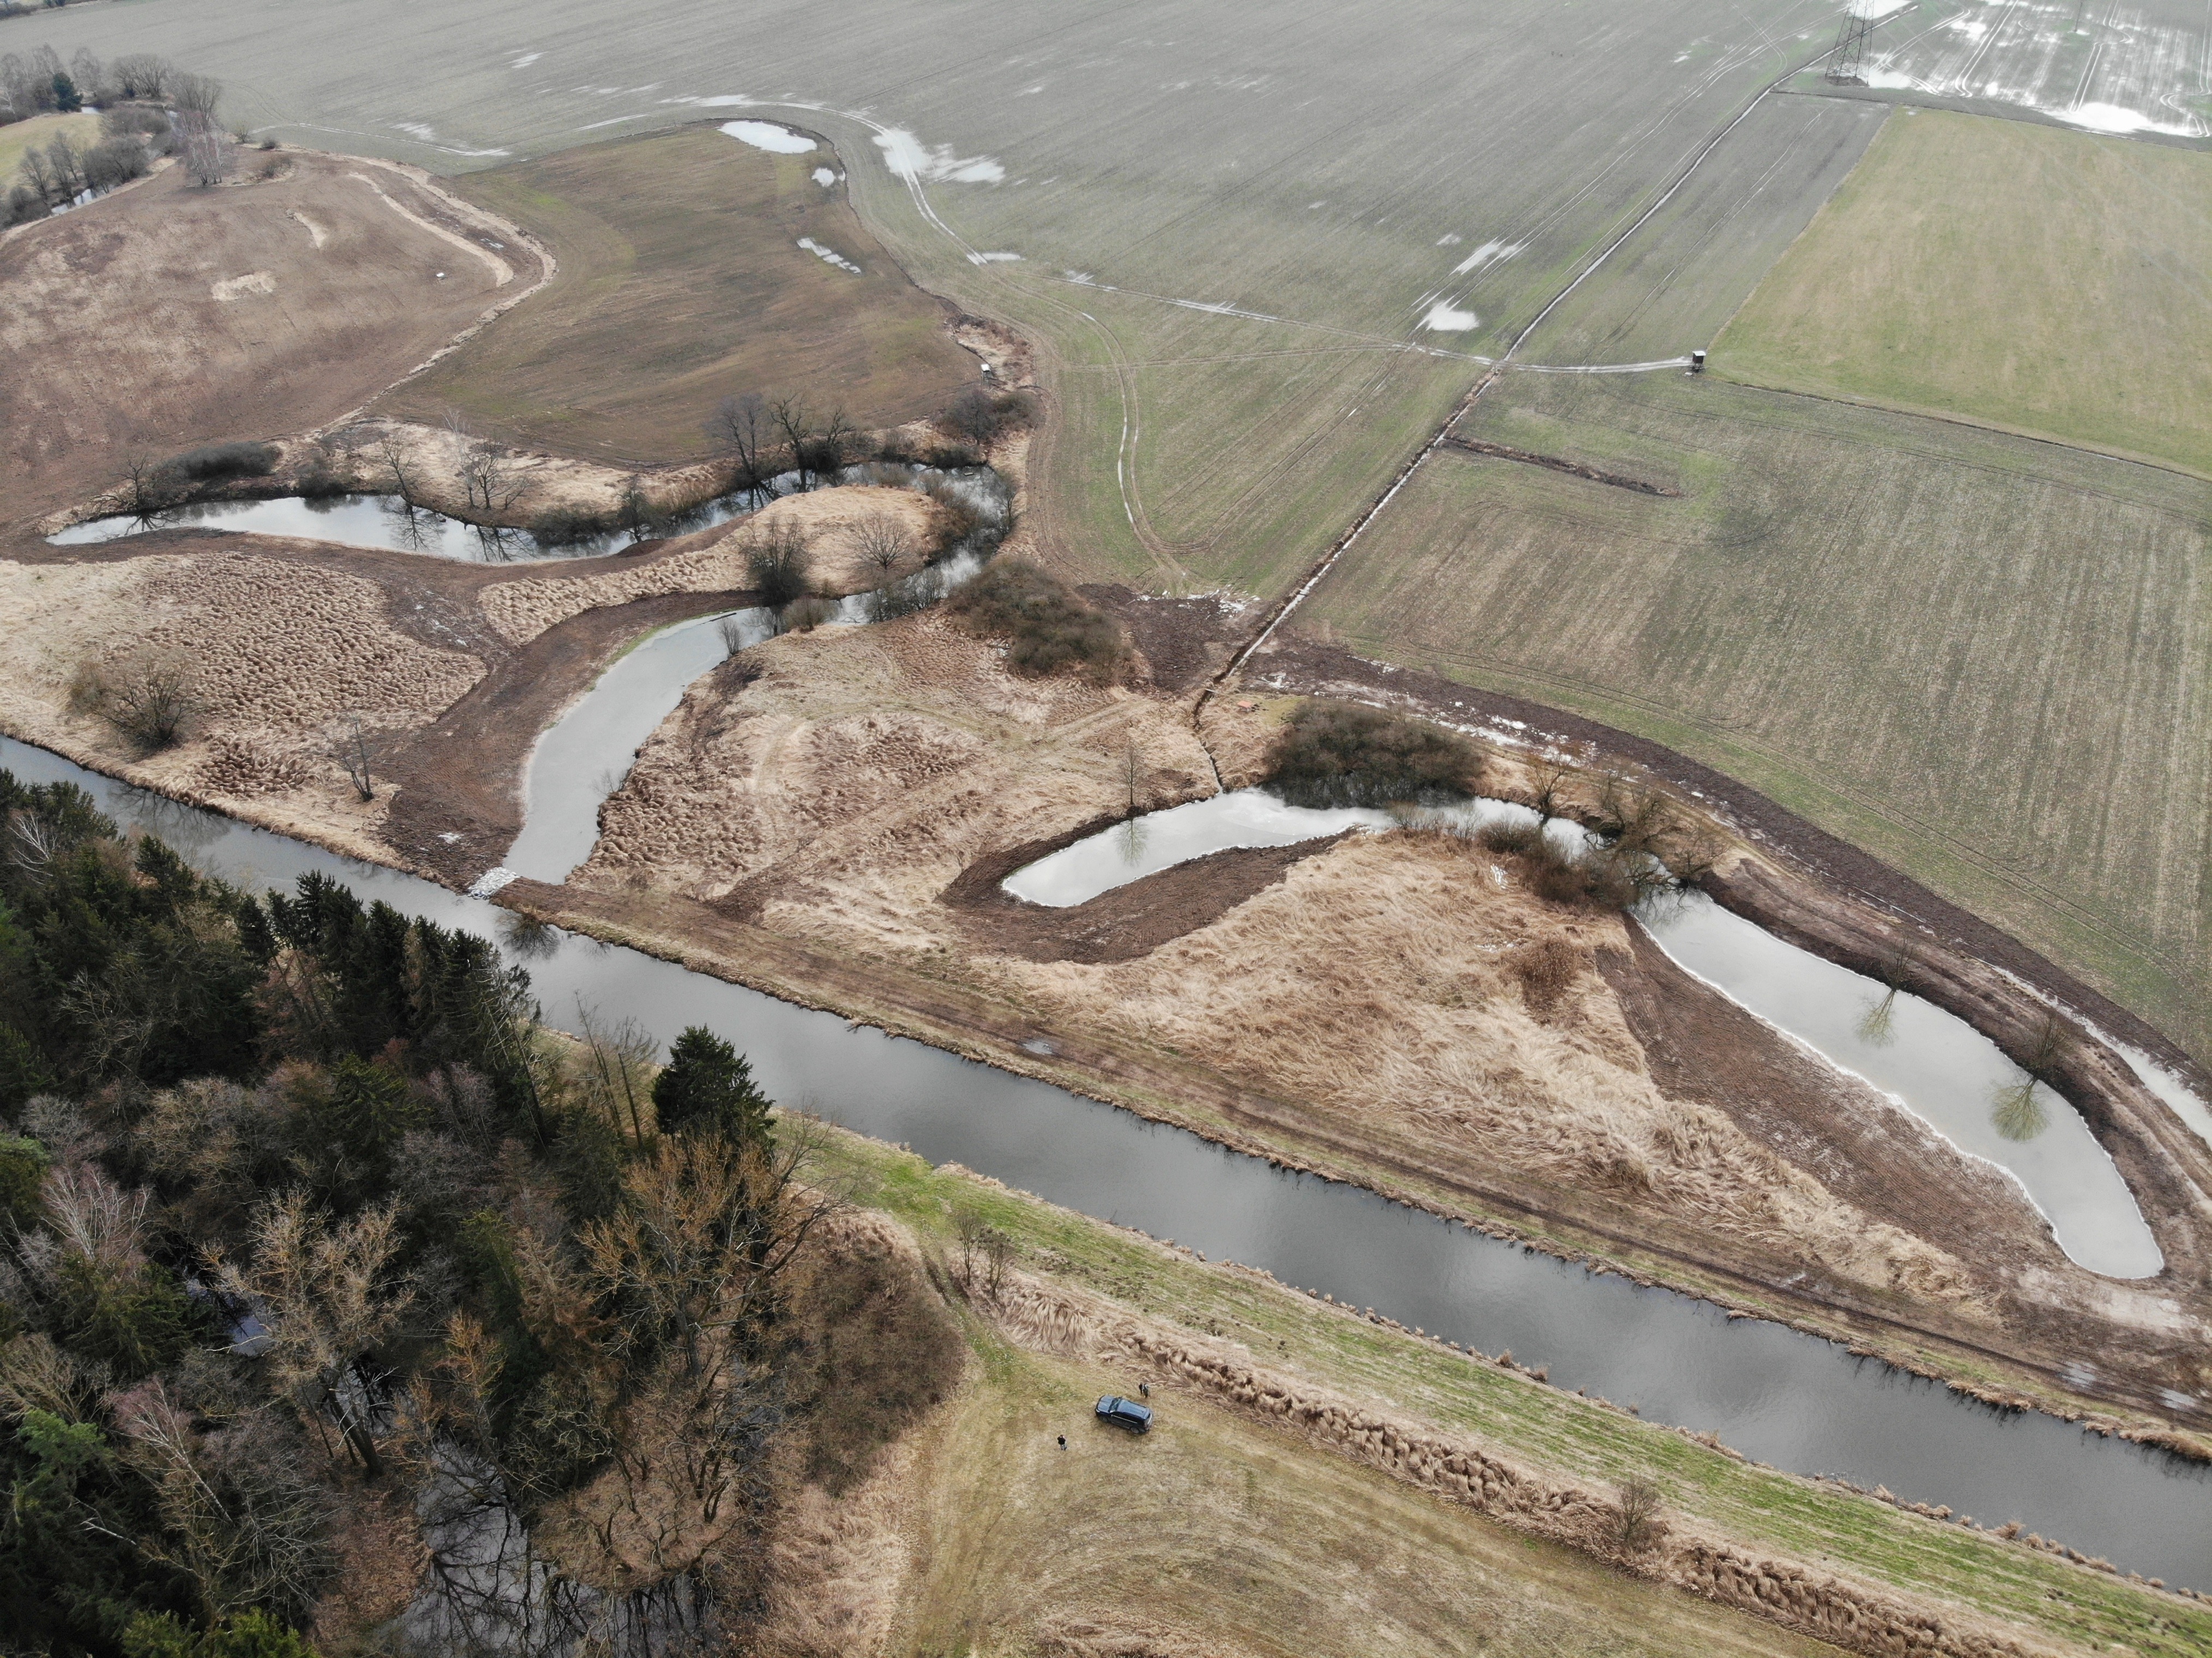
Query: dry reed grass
[
  {"x": 847, "y": 783},
  {"x": 1380, "y": 981}
]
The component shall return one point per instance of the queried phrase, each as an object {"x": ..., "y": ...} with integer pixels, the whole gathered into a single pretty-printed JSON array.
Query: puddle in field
[{"x": 770, "y": 136}]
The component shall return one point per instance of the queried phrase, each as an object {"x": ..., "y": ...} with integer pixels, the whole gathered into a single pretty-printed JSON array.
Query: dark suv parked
[{"x": 1125, "y": 1413}]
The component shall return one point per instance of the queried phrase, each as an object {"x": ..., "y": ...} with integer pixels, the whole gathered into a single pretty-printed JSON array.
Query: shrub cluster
[
  {"x": 1345, "y": 754},
  {"x": 1050, "y": 628},
  {"x": 215, "y": 463},
  {"x": 979, "y": 417}
]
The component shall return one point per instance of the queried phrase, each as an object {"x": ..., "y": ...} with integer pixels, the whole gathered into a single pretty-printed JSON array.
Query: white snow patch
[
  {"x": 721, "y": 100},
  {"x": 237, "y": 288},
  {"x": 824, "y": 177},
  {"x": 766, "y": 134},
  {"x": 995, "y": 259},
  {"x": 1445, "y": 318},
  {"x": 428, "y": 135},
  {"x": 1488, "y": 253},
  {"x": 828, "y": 255},
  {"x": 492, "y": 881},
  {"x": 909, "y": 158},
  {"x": 2115, "y": 118},
  {"x": 593, "y": 126},
  {"x": 1450, "y": 238},
  {"x": 525, "y": 60}
]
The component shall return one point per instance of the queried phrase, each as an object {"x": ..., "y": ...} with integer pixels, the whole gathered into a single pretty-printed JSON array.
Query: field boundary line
[
  {"x": 1969, "y": 423},
  {"x": 1696, "y": 162}
]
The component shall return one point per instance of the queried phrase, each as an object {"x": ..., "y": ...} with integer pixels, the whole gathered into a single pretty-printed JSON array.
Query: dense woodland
[{"x": 323, "y": 1261}]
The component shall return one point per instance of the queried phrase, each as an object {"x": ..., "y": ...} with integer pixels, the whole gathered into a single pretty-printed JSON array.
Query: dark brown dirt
[
  {"x": 1184, "y": 641},
  {"x": 1121, "y": 924},
  {"x": 462, "y": 777}
]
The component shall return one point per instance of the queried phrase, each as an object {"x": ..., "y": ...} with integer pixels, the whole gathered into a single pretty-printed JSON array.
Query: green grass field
[
  {"x": 1210, "y": 1553},
  {"x": 2028, "y": 278},
  {"x": 1985, "y": 660},
  {"x": 83, "y": 131},
  {"x": 680, "y": 282}
]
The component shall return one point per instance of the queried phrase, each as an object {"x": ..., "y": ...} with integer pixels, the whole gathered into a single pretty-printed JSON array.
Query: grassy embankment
[
  {"x": 1224, "y": 1523},
  {"x": 681, "y": 283},
  {"x": 81, "y": 130},
  {"x": 1982, "y": 660},
  {"x": 2023, "y": 277}
]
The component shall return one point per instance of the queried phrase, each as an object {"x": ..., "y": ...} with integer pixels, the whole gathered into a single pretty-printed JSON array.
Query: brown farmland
[{"x": 167, "y": 317}]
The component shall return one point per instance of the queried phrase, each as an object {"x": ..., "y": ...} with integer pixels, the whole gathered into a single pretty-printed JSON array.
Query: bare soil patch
[{"x": 166, "y": 316}]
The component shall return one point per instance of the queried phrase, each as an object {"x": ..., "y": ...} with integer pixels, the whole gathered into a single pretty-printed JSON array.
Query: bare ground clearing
[{"x": 129, "y": 328}]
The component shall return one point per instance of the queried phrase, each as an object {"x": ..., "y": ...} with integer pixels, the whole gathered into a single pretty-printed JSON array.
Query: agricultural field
[
  {"x": 685, "y": 275},
  {"x": 1984, "y": 659},
  {"x": 1334, "y": 185},
  {"x": 2119, "y": 69},
  {"x": 2017, "y": 275},
  {"x": 1682, "y": 275}
]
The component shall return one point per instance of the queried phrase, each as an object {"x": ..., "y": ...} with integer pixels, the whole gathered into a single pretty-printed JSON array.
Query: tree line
[
  {"x": 148, "y": 108},
  {"x": 301, "y": 1204}
]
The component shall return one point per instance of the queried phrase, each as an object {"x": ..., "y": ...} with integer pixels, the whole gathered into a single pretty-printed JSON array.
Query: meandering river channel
[{"x": 1777, "y": 1395}]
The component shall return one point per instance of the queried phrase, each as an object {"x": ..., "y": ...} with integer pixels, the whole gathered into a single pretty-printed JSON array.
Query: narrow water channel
[
  {"x": 584, "y": 755},
  {"x": 392, "y": 522},
  {"x": 1776, "y": 1395},
  {"x": 1928, "y": 1062}
]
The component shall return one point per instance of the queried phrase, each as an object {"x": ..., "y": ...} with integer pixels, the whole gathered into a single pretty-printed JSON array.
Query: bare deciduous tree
[
  {"x": 141, "y": 74},
  {"x": 399, "y": 467},
  {"x": 621, "y": 1058},
  {"x": 1636, "y": 1526},
  {"x": 328, "y": 1292},
  {"x": 150, "y": 698},
  {"x": 743, "y": 428},
  {"x": 208, "y": 152},
  {"x": 1133, "y": 768},
  {"x": 791, "y": 418},
  {"x": 883, "y": 541},
  {"x": 355, "y": 753},
  {"x": 241, "y": 1520},
  {"x": 200, "y": 94}
]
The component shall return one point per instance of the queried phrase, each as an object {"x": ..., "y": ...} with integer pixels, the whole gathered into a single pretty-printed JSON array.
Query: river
[{"x": 1777, "y": 1395}]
